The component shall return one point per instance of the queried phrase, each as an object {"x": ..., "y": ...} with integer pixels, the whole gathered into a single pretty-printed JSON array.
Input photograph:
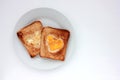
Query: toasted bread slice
[
  {"x": 30, "y": 37},
  {"x": 54, "y": 43}
]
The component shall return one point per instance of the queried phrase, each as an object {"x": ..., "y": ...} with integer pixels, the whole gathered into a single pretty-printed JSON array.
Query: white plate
[{"x": 48, "y": 17}]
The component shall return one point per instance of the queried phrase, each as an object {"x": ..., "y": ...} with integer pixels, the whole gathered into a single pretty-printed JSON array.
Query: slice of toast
[
  {"x": 30, "y": 37},
  {"x": 54, "y": 43}
]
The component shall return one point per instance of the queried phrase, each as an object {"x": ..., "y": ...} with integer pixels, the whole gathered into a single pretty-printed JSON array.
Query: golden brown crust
[
  {"x": 59, "y": 33},
  {"x": 27, "y": 32}
]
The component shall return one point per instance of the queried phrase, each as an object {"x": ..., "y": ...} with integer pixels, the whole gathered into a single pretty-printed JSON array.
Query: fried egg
[{"x": 54, "y": 44}]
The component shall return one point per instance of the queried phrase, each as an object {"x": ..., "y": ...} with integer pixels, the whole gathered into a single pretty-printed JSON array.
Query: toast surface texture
[
  {"x": 30, "y": 36},
  {"x": 54, "y": 43}
]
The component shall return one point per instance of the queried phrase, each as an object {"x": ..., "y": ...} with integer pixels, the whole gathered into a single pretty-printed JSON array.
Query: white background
[{"x": 97, "y": 29}]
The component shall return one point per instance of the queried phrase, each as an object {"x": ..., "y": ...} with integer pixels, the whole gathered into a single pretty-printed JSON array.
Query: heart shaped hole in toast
[{"x": 54, "y": 44}]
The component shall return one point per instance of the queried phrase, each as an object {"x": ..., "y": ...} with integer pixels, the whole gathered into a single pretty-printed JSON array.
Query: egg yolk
[{"x": 54, "y": 44}]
